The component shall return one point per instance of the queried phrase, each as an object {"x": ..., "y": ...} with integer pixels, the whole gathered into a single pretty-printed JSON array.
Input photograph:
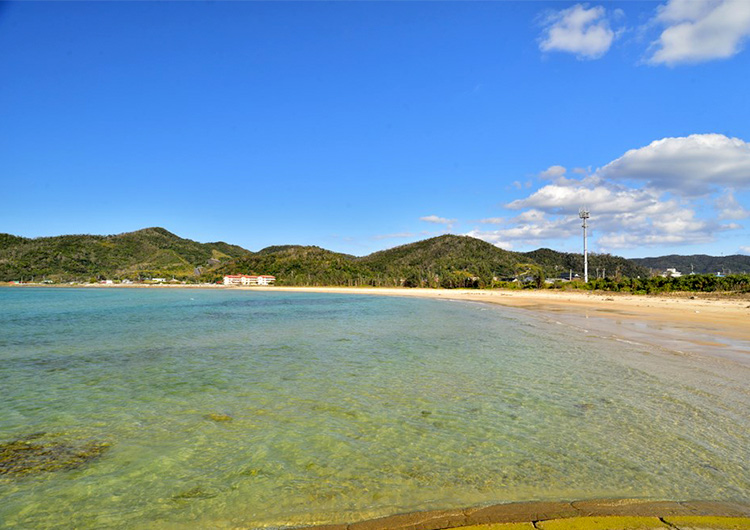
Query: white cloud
[
  {"x": 624, "y": 215},
  {"x": 701, "y": 30},
  {"x": 529, "y": 233},
  {"x": 584, "y": 32},
  {"x": 728, "y": 207},
  {"x": 745, "y": 250},
  {"x": 690, "y": 165},
  {"x": 438, "y": 220},
  {"x": 491, "y": 237},
  {"x": 552, "y": 172},
  {"x": 566, "y": 197},
  {"x": 493, "y": 220}
]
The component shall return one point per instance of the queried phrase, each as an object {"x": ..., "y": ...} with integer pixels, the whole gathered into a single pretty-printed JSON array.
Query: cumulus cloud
[
  {"x": 529, "y": 233},
  {"x": 622, "y": 216},
  {"x": 578, "y": 30},
  {"x": 745, "y": 250},
  {"x": 493, "y": 221},
  {"x": 700, "y": 30},
  {"x": 648, "y": 196},
  {"x": 692, "y": 165}
]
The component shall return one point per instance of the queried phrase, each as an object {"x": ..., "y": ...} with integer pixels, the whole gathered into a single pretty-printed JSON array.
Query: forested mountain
[
  {"x": 447, "y": 261},
  {"x": 299, "y": 265},
  {"x": 559, "y": 264},
  {"x": 698, "y": 263},
  {"x": 444, "y": 261},
  {"x": 147, "y": 252}
]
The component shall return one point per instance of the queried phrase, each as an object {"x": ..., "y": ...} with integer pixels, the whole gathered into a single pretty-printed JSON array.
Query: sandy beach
[{"x": 686, "y": 322}]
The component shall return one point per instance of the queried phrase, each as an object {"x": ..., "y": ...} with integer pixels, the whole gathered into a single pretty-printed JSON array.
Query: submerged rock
[
  {"x": 32, "y": 454},
  {"x": 194, "y": 493},
  {"x": 218, "y": 417}
]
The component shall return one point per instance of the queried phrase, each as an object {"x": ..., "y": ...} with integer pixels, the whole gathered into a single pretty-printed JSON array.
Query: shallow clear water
[{"x": 346, "y": 407}]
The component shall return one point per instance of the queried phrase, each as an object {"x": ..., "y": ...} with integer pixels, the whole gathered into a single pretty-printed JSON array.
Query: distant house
[
  {"x": 233, "y": 279},
  {"x": 244, "y": 279},
  {"x": 671, "y": 273}
]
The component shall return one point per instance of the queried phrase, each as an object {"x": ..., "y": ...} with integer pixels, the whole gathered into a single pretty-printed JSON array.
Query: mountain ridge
[
  {"x": 148, "y": 251},
  {"x": 443, "y": 261}
]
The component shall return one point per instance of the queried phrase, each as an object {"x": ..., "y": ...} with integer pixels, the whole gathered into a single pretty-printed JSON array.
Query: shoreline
[
  {"x": 598, "y": 514},
  {"x": 699, "y": 323},
  {"x": 684, "y": 323}
]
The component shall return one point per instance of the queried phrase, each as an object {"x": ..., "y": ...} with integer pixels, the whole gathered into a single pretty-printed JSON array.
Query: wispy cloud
[
  {"x": 728, "y": 207},
  {"x": 438, "y": 220},
  {"x": 700, "y": 30}
]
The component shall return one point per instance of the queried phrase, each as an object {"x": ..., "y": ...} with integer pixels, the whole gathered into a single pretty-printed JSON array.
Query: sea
[{"x": 258, "y": 409}]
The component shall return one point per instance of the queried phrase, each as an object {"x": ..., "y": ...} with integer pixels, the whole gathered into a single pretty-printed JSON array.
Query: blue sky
[{"x": 358, "y": 126}]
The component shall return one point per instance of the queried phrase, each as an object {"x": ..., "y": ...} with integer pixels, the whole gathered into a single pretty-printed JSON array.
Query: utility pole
[{"x": 583, "y": 213}]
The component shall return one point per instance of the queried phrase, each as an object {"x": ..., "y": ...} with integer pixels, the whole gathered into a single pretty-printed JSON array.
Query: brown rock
[
  {"x": 432, "y": 520},
  {"x": 633, "y": 507},
  {"x": 519, "y": 512}
]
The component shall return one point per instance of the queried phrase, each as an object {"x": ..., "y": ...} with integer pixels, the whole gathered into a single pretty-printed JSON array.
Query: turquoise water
[{"x": 346, "y": 407}]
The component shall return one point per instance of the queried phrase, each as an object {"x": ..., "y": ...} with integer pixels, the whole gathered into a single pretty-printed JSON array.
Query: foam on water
[{"x": 346, "y": 407}]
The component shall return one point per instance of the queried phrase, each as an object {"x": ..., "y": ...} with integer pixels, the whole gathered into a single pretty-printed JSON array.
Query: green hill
[
  {"x": 698, "y": 263},
  {"x": 300, "y": 265},
  {"x": 559, "y": 264},
  {"x": 147, "y": 252},
  {"x": 444, "y": 261},
  {"x": 448, "y": 261}
]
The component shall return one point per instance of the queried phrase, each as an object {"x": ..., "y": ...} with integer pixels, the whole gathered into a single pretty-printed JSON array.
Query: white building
[
  {"x": 671, "y": 273},
  {"x": 244, "y": 279}
]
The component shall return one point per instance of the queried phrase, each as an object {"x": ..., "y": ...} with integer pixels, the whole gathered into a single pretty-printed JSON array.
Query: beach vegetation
[{"x": 707, "y": 283}]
